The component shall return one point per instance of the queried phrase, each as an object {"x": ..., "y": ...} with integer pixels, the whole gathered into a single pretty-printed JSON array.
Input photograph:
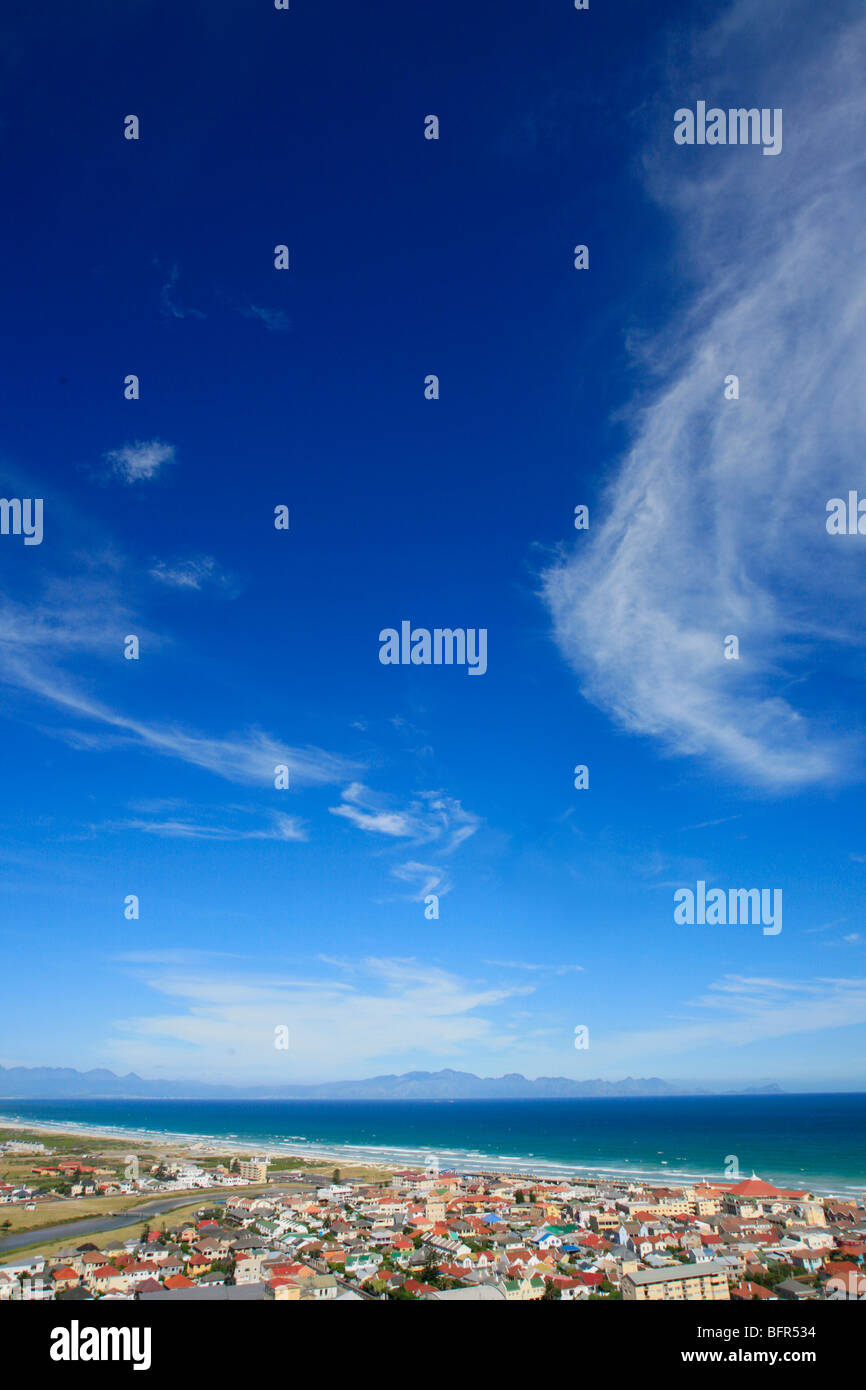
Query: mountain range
[{"x": 62, "y": 1083}]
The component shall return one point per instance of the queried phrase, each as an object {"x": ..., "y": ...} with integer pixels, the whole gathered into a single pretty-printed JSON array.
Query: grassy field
[
  {"x": 62, "y": 1144},
  {"x": 79, "y": 1208},
  {"x": 120, "y": 1233}
]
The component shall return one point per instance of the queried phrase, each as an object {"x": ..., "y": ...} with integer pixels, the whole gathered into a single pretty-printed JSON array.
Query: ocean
[{"x": 814, "y": 1141}]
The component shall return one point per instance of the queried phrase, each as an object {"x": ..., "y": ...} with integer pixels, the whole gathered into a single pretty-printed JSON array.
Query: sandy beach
[{"x": 366, "y": 1158}]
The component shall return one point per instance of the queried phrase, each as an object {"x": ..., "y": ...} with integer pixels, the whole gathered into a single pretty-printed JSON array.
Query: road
[{"x": 24, "y": 1240}]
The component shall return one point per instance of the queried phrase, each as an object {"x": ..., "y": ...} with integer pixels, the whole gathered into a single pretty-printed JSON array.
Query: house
[
  {"x": 810, "y": 1261},
  {"x": 619, "y": 1259},
  {"x": 248, "y": 1269},
  {"x": 283, "y": 1289},
  {"x": 795, "y": 1291},
  {"x": 748, "y": 1291},
  {"x": 524, "y": 1290},
  {"x": 29, "y": 1265},
  {"x": 106, "y": 1279},
  {"x": 212, "y": 1248},
  {"x": 85, "y": 1187},
  {"x": 362, "y": 1266},
  {"x": 392, "y": 1282},
  {"x": 320, "y": 1286},
  {"x": 290, "y": 1269},
  {"x": 137, "y": 1273},
  {"x": 417, "y": 1289},
  {"x": 570, "y": 1288},
  {"x": 148, "y": 1286}
]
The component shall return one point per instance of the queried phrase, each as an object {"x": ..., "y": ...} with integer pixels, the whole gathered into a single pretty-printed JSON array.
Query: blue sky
[{"x": 304, "y": 907}]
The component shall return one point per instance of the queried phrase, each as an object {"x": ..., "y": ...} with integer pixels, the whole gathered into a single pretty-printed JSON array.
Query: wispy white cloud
[
  {"x": 223, "y": 1024},
  {"x": 425, "y": 879},
  {"x": 275, "y": 320},
  {"x": 174, "y": 956},
  {"x": 87, "y": 617},
  {"x": 168, "y": 299},
  {"x": 248, "y": 758},
  {"x": 739, "y": 1010},
  {"x": 429, "y": 817},
  {"x": 710, "y": 824},
  {"x": 280, "y": 827},
  {"x": 553, "y": 969},
  {"x": 826, "y": 926},
  {"x": 141, "y": 461},
  {"x": 714, "y": 523},
  {"x": 199, "y": 572}
]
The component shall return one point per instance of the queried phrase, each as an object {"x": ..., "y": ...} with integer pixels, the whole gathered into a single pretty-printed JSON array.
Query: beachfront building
[
  {"x": 254, "y": 1169},
  {"x": 756, "y": 1198}
]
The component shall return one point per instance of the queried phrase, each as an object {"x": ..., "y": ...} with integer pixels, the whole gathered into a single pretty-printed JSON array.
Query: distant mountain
[{"x": 65, "y": 1083}]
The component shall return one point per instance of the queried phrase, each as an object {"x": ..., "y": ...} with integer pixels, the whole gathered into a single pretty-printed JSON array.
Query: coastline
[
  {"x": 391, "y": 1159},
  {"x": 203, "y": 1145}
]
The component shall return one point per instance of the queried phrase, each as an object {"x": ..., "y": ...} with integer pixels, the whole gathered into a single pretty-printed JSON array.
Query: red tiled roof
[
  {"x": 753, "y": 1187},
  {"x": 413, "y": 1286}
]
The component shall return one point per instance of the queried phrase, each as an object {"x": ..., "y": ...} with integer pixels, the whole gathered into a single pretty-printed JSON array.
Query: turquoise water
[{"x": 817, "y": 1141}]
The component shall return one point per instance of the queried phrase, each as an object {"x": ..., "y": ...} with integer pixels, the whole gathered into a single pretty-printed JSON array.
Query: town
[{"x": 307, "y": 1232}]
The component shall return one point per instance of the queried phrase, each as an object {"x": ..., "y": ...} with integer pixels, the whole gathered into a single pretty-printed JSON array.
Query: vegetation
[{"x": 775, "y": 1273}]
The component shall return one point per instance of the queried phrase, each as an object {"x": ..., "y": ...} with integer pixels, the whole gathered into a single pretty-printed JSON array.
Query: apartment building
[
  {"x": 254, "y": 1169},
  {"x": 708, "y": 1282}
]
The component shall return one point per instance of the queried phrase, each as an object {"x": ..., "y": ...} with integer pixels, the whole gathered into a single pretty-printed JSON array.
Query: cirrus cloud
[{"x": 714, "y": 522}]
